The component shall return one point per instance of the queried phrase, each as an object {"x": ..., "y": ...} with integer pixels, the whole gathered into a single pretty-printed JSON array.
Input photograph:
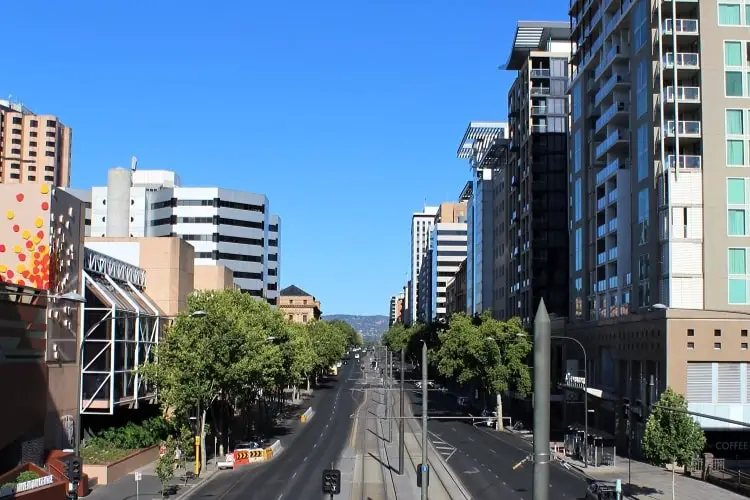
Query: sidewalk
[{"x": 649, "y": 482}]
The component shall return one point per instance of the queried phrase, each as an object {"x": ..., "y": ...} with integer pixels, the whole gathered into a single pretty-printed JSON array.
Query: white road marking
[{"x": 294, "y": 475}]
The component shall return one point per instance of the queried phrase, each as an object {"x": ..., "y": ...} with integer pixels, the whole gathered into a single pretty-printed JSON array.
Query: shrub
[
  {"x": 132, "y": 436},
  {"x": 27, "y": 475}
]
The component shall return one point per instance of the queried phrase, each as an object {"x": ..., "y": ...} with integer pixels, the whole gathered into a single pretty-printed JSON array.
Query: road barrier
[
  {"x": 246, "y": 456},
  {"x": 305, "y": 417},
  {"x": 271, "y": 451}
]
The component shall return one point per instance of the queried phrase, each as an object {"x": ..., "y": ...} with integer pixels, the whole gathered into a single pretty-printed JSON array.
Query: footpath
[
  {"x": 370, "y": 464},
  {"x": 149, "y": 487},
  {"x": 647, "y": 481}
]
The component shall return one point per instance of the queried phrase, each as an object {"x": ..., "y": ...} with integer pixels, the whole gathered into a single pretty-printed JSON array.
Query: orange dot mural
[{"x": 25, "y": 252}]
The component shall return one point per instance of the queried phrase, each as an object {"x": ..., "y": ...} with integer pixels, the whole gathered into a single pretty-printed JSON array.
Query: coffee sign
[{"x": 98, "y": 263}]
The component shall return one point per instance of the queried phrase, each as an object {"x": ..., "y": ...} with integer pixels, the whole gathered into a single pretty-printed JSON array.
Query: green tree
[
  {"x": 672, "y": 437},
  {"x": 165, "y": 465},
  {"x": 329, "y": 343},
  {"x": 486, "y": 352},
  {"x": 228, "y": 354},
  {"x": 353, "y": 337},
  {"x": 300, "y": 357}
]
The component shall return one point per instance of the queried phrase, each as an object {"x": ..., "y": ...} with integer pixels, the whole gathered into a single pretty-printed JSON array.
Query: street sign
[{"x": 138, "y": 476}]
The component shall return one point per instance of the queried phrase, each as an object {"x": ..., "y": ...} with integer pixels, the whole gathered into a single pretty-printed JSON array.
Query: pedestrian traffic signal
[
  {"x": 332, "y": 481},
  {"x": 423, "y": 469},
  {"x": 74, "y": 469}
]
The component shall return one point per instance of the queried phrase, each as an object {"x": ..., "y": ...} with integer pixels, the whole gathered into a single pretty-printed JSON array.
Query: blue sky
[{"x": 347, "y": 114}]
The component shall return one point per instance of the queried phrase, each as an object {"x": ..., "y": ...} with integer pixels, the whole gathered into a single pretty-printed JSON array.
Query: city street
[
  {"x": 296, "y": 473},
  {"x": 483, "y": 458}
]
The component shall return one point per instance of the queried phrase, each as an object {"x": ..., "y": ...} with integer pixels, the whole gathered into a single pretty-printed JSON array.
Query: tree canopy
[{"x": 672, "y": 436}]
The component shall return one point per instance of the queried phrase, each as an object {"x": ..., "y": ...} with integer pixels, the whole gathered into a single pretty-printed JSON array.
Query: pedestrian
[{"x": 177, "y": 457}]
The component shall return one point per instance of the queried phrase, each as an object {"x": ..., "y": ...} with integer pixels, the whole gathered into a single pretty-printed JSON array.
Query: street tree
[
  {"x": 672, "y": 437},
  {"x": 299, "y": 357},
  {"x": 329, "y": 343},
  {"x": 353, "y": 337},
  {"x": 486, "y": 352}
]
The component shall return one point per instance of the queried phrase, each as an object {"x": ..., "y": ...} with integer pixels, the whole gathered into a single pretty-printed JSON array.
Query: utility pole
[
  {"x": 385, "y": 386},
  {"x": 390, "y": 395},
  {"x": 401, "y": 419},
  {"x": 542, "y": 341},
  {"x": 424, "y": 421}
]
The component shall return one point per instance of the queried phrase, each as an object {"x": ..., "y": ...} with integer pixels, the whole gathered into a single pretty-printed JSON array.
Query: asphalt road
[
  {"x": 296, "y": 473},
  {"x": 483, "y": 458}
]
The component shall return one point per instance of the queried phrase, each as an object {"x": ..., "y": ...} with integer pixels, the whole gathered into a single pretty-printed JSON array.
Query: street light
[
  {"x": 585, "y": 392},
  {"x": 79, "y": 410}
]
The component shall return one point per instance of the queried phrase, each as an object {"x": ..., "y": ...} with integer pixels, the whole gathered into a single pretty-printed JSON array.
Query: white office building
[
  {"x": 421, "y": 225},
  {"x": 449, "y": 246},
  {"x": 227, "y": 227}
]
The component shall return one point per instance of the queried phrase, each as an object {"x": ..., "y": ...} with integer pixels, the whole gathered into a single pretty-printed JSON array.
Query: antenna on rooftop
[{"x": 133, "y": 163}]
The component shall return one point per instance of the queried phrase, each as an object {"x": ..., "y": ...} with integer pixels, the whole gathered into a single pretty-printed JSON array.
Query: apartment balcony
[
  {"x": 685, "y": 95},
  {"x": 686, "y": 161},
  {"x": 601, "y": 258},
  {"x": 612, "y": 197},
  {"x": 617, "y": 113},
  {"x": 541, "y": 90},
  {"x": 685, "y": 128},
  {"x": 681, "y": 27},
  {"x": 604, "y": 174},
  {"x": 601, "y": 203},
  {"x": 615, "y": 52},
  {"x": 612, "y": 225},
  {"x": 618, "y": 137},
  {"x": 685, "y": 61},
  {"x": 601, "y": 231},
  {"x": 612, "y": 282},
  {"x": 539, "y": 129},
  {"x": 617, "y": 80},
  {"x": 540, "y": 72},
  {"x": 538, "y": 110},
  {"x": 612, "y": 254}
]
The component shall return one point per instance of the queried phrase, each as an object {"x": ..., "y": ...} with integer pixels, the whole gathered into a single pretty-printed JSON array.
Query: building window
[
  {"x": 642, "y": 152},
  {"x": 643, "y": 216},
  {"x": 577, "y": 102},
  {"x": 691, "y": 332},
  {"x": 577, "y": 152},
  {"x": 691, "y": 345},
  {"x": 579, "y": 249},
  {"x": 717, "y": 346},
  {"x": 304, "y": 318},
  {"x": 577, "y": 200},
  {"x": 737, "y": 206},
  {"x": 641, "y": 93},
  {"x": 743, "y": 333},
  {"x": 738, "y": 276},
  {"x": 717, "y": 333},
  {"x": 743, "y": 346},
  {"x": 737, "y": 135},
  {"x": 736, "y": 69},
  {"x": 641, "y": 33},
  {"x": 731, "y": 13}
]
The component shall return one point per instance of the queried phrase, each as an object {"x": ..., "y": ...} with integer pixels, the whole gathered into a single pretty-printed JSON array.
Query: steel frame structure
[{"x": 117, "y": 346}]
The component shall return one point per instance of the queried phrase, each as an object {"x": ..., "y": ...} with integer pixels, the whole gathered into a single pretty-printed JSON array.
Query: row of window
[
  {"x": 215, "y": 203},
  {"x": 734, "y": 13},
  {"x": 737, "y": 68},
  {"x": 17, "y": 120},
  {"x": 215, "y": 220}
]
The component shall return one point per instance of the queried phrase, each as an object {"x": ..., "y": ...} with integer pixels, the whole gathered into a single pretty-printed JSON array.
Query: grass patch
[{"x": 95, "y": 455}]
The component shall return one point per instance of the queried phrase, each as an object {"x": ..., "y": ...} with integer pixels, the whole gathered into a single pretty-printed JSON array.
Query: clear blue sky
[{"x": 346, "y": 113}]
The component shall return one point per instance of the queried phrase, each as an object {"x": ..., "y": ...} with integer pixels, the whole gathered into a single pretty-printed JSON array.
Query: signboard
[
  {"x": 98, "y": 263},
  {"x": 728, "y": 444},
  {"x": 241, "y": 457},
  {"x": 573, "y": 381},
  {"x": 138, "y": 476},
  {"x": 26, "y": 486}
]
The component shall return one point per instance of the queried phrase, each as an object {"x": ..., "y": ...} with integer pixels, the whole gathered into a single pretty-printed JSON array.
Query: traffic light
[
  {"x": 332, "y": 481},
  {"x": 423, "y": 469},
  {"x": 74, "y": 469}
]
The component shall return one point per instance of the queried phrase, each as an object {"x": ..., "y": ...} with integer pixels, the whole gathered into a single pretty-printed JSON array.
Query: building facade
[
  {"x": 657, "y": 89},
  {"x": 536, "y": 177},
  {"x": 421, "y": 224},
  {"x": 448, "y": 250},
  {"x": 479, "y": 147},
  {"x": 298, "y": 305},
  {"x": 234, "y": 229},
  {"x": 456, "y": 293},
  {"x": 33, "y": 148}
]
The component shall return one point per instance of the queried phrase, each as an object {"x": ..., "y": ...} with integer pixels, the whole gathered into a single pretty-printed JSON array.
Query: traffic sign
[{"x": 138, "y": 476}]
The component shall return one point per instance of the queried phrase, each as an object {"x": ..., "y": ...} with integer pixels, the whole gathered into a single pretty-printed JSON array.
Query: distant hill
[{"x": 367, "y": 326}]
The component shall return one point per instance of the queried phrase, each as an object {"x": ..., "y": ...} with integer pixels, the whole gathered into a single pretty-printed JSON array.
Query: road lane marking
[{"x": 294, "y": 475}]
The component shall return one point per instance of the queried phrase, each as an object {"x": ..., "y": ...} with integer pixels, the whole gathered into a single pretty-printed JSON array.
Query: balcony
[
  {"x": 685, "y": 95},
  {"x": 608, "y": 58},
  {"x": 540, "y": 90},
  {"x": 612, "y": 225},
  {"x": 601, "y": 258},
  {"x": 686, "y": 128},
  {"x": 538, "y": 110},
  {"x": 601, "y": 203},
  {"x": 612, "y": 197},
  {"x": 608, "y": 171},
  {"x": 612, "y": 282},
  {"x": 683, "y": 26},
  {"x": 540, "y": 73},
  {"x": 617, "y": 109},
  {"x": 617, "y": 137},
  {"x": 538, "y": 128},
  {"x": 612, "y": 253},
  {"x": 685, "y": 60},
  {"x": 601, "y": 231},
  {"x": 613, "y": 81},
  {"x": 686, "y": 161}
]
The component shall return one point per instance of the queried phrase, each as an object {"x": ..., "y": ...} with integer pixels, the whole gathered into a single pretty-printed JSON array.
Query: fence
[{"x": 597, "y": 454}]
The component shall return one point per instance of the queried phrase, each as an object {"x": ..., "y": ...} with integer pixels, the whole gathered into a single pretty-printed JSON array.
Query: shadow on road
[
  {"x": 387, "y": 466},
  {"x": 635, "y": 489}
]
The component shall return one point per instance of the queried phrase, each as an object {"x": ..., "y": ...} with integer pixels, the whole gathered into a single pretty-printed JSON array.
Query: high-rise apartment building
[
  {"x": 536, "y": 174},
  {"x": 421, "y": 224},
  {"x": 447, "y": 252},
  {"x": 33, "y": 148},
  {"x": 227, "y": 227},
  {"x": 479, "y": 146},
  {"x": 660, "y": 132}
]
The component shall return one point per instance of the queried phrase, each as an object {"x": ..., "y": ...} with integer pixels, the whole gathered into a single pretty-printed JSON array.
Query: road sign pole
[
  {"x": 424, "y": 417},
  {"x": 390, "y": 396},
  {"x": 401, "y": 420}
]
